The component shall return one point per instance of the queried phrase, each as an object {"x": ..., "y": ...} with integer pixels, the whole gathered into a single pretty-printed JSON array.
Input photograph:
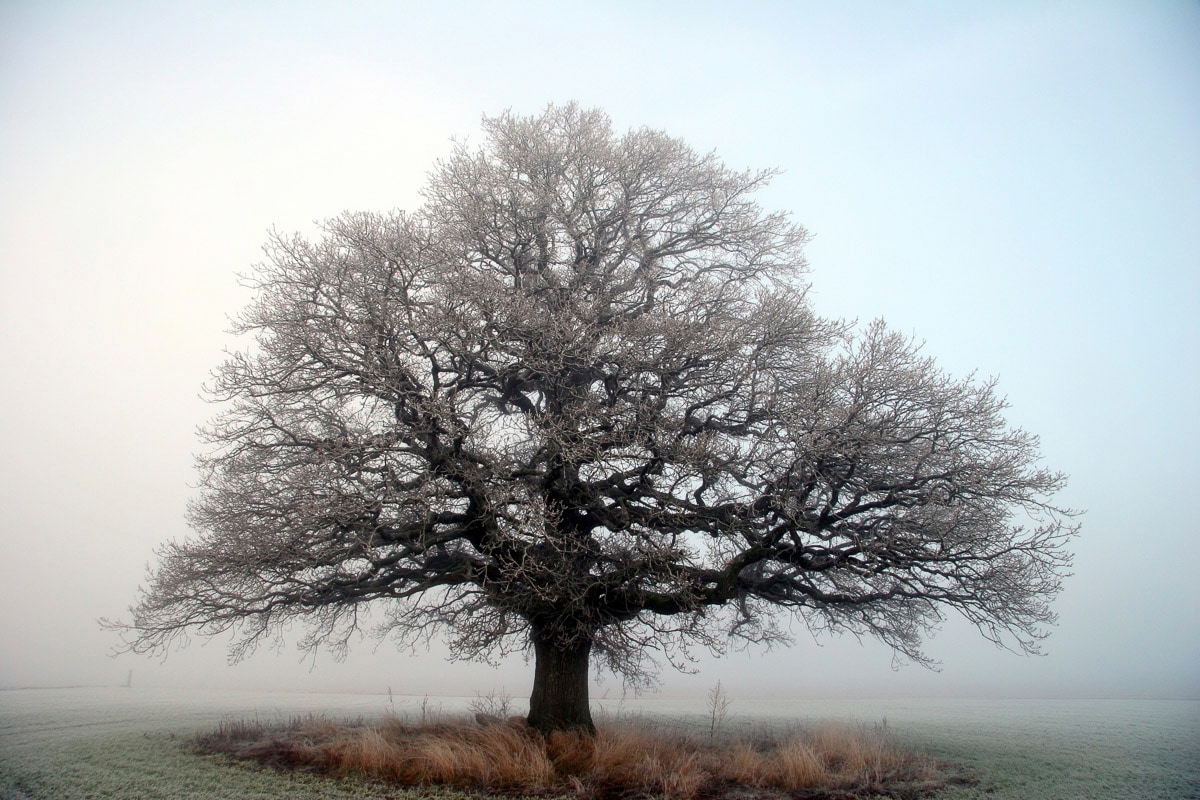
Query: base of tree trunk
[{"x": 559, "y": 700}]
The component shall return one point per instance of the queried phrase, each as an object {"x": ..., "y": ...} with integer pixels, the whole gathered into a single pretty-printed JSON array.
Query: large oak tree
[{"x": 578, "y": 402}]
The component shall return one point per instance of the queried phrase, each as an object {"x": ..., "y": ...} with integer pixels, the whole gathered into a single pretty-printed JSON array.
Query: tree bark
[{"x": 559, "y": 700}]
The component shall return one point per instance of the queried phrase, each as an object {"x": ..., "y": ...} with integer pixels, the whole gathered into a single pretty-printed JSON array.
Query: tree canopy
[{"x": 578, "y": 402}]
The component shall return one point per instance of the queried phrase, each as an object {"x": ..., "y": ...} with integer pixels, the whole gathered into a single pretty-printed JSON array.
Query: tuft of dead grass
[{"x": 625, "y": 761}]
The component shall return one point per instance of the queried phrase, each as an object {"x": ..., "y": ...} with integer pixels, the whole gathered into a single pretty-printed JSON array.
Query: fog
[{"x": 1017, "y": 184}]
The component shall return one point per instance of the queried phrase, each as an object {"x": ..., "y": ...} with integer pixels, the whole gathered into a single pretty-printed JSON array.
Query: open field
[{"x": 134, "y": 743}]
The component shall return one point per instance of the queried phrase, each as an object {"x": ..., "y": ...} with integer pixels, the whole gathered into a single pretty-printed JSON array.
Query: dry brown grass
[{"x": 830, "y": 760}]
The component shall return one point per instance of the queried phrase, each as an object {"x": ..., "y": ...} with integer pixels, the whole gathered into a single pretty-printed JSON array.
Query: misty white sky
[{"x": 1016, "y": 183}]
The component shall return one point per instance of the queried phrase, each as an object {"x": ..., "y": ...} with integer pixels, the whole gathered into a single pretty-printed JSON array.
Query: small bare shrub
[
  {"x": 718, "y": 709},
  {"x": 495, "y": 705}
]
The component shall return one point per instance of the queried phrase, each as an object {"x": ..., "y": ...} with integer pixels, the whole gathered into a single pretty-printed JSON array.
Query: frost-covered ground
[
  {"x": 1023, "y": 749},
  {"x": 131, "y": 743}
]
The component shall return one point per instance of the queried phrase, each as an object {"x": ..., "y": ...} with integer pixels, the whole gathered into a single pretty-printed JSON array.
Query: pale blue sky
[{"x": 1018, "y": 184}]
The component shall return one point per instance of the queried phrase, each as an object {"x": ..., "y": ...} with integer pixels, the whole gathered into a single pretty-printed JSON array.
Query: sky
[{"x": 1017, "y": 184}]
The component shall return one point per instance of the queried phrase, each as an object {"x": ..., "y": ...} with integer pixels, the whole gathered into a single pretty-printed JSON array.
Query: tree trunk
[{"x": 560, "y": 684}]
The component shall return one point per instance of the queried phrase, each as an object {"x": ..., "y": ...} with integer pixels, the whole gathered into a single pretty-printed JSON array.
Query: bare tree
[{"x": 578, "y": 403}]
